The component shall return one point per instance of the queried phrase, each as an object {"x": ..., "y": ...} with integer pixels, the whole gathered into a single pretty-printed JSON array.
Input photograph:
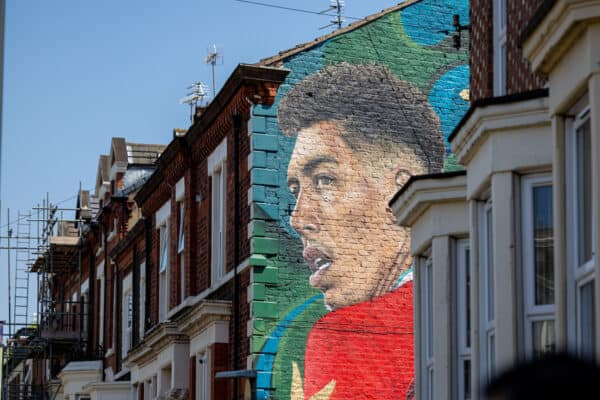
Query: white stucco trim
[
  {"x": 422, "y": 193},
  {"x": 216, "y": 158},
  {"x": 163, "y": 213},
  {"x": 563, "y": 24},
  {"x": 513, "y": 116},
  {"x": 85, "y": 286},
  {"x": 180, "y": 189}
]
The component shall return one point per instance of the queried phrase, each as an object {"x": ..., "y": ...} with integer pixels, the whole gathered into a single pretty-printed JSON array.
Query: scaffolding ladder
[{"x": 22, "y": 265}]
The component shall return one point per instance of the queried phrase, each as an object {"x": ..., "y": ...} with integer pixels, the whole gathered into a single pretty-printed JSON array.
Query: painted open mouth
[{"x": 319, "y": 263}]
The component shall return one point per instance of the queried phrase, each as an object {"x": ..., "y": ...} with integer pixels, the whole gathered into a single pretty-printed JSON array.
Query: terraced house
[
  {"x": 257, "y": 256},
  {"x": 505, "y": 250}
]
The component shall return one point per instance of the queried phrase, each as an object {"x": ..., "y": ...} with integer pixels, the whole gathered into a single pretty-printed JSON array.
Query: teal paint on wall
[{"x": 291, "y": 319}]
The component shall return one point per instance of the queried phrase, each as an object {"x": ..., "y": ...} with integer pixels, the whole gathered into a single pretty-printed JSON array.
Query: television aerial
[
  {"x": 337, "y": 6},
  {"x": 198, "y": 92},
  {"x": 214, "y": 56}
]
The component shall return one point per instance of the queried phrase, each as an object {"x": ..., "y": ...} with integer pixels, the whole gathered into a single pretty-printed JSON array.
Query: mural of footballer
[{"x": 360, "y": 134}]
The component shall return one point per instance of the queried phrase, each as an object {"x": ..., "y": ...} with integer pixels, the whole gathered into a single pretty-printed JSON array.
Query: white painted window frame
[
  {"x": 162, "y": 225},
  {"x": 499, "y": 19},
  {"x": 427, "y": 326},
  {"x": 203, "y": 375},
  {"x": 142, "y": 303},
  {"x": 463, "y": 314},
  {"x": 100, "y": 277},
  {"x": 166, "y": 379},
  {"x": 486, "y": 282},
  {"x": 163, "y": 272},
  {"x": 181, "y": 247},
  {"x": 126, "y": 317},
  {"x": 531, "y": 312},
  {"x": 113, "y": 232},
  {"x": 150, "y": 388},
  {"x": 217, "y": 169},
  {"x": 578, "y": 275}
]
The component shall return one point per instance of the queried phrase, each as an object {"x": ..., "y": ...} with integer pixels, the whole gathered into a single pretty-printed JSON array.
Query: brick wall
[
  {"x": 519, "y": 77},
  {"x": 357, "y": 115},
  {"x": 482, "y": 53}
]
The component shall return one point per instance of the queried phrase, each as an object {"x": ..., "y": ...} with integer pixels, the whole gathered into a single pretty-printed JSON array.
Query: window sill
[
  {"x": 193, "y": 300},
  {"x": 124, "y": 371}
]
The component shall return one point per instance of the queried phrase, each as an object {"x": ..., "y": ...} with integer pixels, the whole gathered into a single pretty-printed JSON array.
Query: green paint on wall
[
  {"x": 266, "y": 275},
  {"x": 385, "y": 42},
  {"x": 262, "y": 309},
  {"x": 265, "y": 245}
]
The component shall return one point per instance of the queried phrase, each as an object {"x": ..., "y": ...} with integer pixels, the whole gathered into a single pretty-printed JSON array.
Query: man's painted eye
[
  {"x": 294, "y": 187},
  {"x": 322, "y": 180}
]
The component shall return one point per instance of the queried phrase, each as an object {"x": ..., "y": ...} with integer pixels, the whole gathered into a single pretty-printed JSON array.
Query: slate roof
[{"x": 134, "y": 178}]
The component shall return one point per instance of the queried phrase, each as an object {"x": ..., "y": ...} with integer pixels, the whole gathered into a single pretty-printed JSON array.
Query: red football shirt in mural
[{"x": 366, "y": 348}]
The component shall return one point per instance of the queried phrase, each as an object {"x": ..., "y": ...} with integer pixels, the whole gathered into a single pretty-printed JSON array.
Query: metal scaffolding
[{"x": 37, "y": 349}]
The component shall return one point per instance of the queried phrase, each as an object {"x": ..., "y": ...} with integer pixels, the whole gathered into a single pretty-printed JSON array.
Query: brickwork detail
[
  {"x": 358, "y": 114},
  {"x": 519, "y": 77}
]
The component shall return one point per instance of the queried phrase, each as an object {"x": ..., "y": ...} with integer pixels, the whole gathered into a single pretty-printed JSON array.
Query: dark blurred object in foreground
[{"x": 558, "y": 376}]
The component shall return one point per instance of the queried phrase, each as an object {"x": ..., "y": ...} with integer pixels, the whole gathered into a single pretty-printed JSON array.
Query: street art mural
[{"x": 359, "y": 113}]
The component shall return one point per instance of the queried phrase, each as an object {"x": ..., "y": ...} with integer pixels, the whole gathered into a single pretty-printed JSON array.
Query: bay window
[
  {"x": 580, "y": 234},
  {"x": 538, "y": 265}
]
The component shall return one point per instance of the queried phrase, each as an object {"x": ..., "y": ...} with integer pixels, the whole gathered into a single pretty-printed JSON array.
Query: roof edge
[
  {"x": 355, "y": 25},
  {"x": 489, "y": 101},
  {"x": 415, "y": 178}
]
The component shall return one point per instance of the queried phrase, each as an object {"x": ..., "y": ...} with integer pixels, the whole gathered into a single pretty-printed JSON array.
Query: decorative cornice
[
  {"x": 484, "y": 121},
  {"x": 423, "y": 193},
  {"x": 154, "y": 342},
  {"x": 555, "y": 28},
  {"x": 198, "y": 317}
]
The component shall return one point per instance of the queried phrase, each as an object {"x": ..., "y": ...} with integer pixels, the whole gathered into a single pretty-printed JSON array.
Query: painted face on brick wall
[
  {"x": 351, "y": 243},
  {"x": 360, "y": 133}
]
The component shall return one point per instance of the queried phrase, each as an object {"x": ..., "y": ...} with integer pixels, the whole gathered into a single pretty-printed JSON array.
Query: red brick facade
[{"x": 519, "y": 77}]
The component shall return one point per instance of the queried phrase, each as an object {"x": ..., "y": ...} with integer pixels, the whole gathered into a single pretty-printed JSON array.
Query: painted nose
[{"x": 303, "y": 218}]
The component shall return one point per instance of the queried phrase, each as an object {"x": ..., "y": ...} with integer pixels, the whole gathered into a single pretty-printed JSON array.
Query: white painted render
[
  {"x": 565, "y": 48},
  {"x": 436, "y": 211}
]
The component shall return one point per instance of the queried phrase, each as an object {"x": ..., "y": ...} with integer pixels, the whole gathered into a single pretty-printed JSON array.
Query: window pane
[
  {"x": 490, "y": 264},
  {"x": 584, "y": 193},
  {"x": 429, "y": 278},
  {"x": 502, "y": 14},
  {"x": 467, "y": 379},
  {"x": 222, "y": 222},
  {"x": 544, "y": 340},
  {"x": 543, "y": 243},
  {"x": 468, "y": 297},
  {"x": 491, "y": 357},
  {"x": 181, "y": 241},
  {"x": 129, "y": 311},
  {"x": 430, "y": 384},
  {"x": 164, "y": 239},
  {"x": 586, "y": 320}
]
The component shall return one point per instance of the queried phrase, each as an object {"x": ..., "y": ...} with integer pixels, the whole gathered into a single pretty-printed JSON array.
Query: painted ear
[{"x": 403, "y": 174}]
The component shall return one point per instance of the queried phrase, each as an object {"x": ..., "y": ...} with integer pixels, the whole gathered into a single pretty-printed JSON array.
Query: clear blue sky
[{"x": 78, "y": 72}]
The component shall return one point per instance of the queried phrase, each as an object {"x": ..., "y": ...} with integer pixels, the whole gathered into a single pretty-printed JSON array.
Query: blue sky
[{"x": 78, "y": 72}]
